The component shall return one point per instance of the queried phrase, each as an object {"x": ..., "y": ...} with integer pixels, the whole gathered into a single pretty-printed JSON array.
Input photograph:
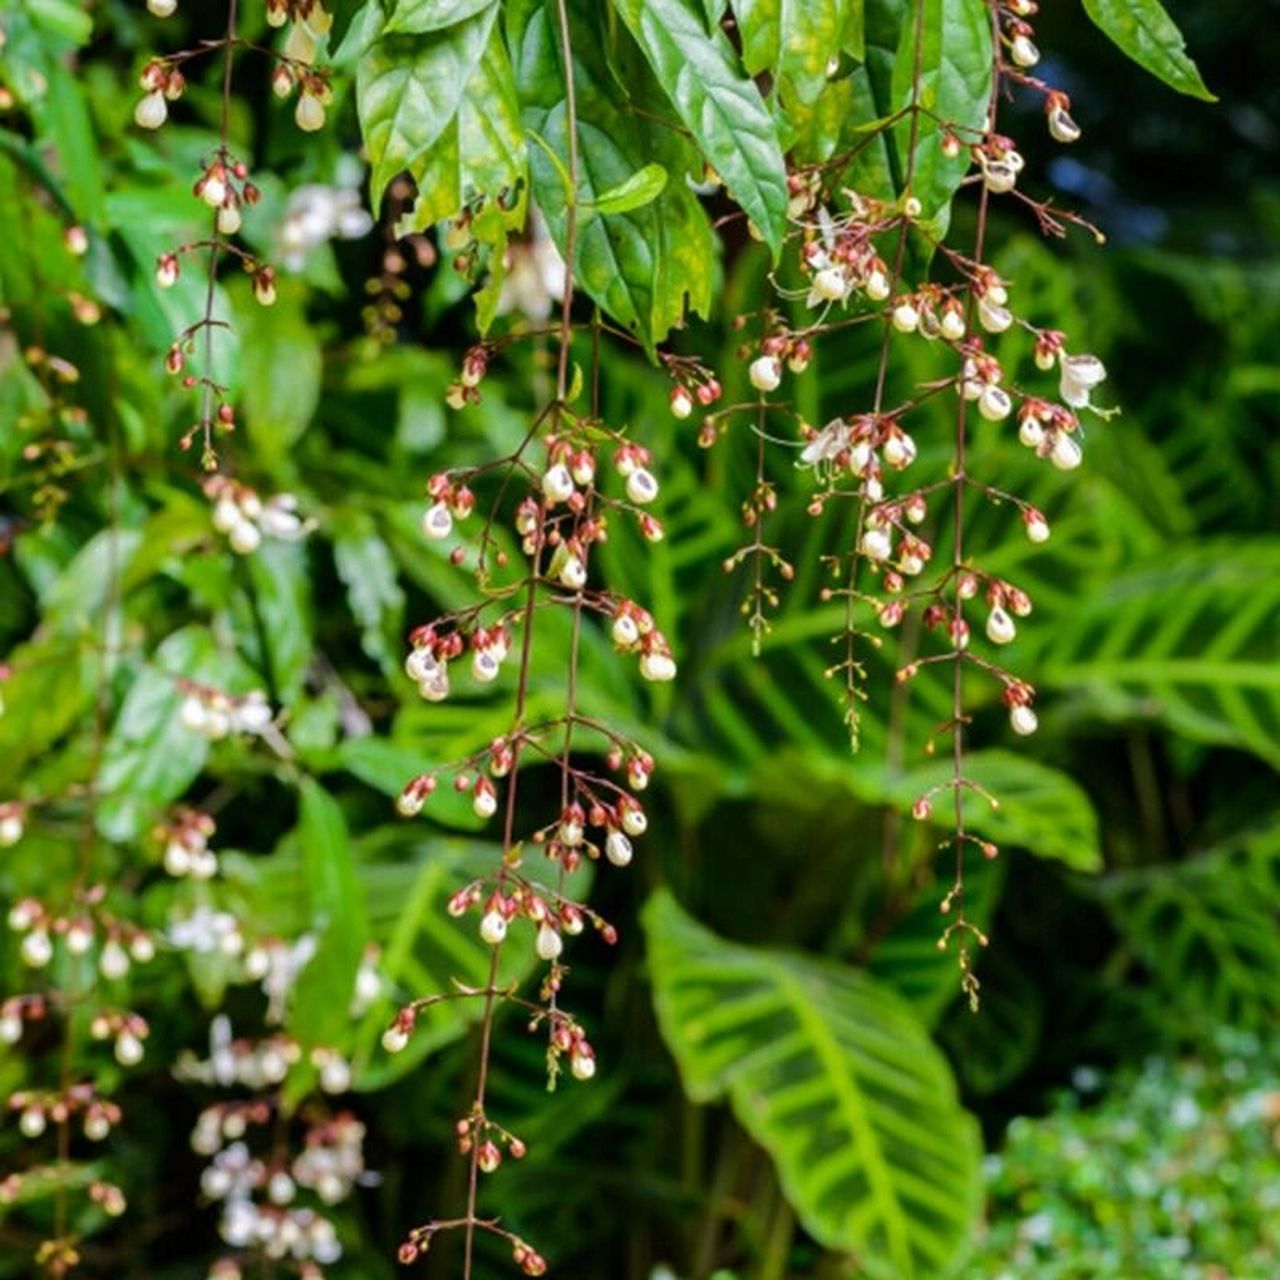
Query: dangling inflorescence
[{"x": 853, "y": 254}]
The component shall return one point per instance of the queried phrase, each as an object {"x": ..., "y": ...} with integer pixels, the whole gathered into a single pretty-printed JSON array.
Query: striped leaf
[{"x": 835, "y": 1077}]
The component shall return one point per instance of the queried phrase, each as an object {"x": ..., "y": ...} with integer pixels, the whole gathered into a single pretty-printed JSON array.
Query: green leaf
[
  {"x": 319, "y": 1011},
  {"x": 414, "y": 17},
  {"x": 409, "y": 89},
  {"x": 793, "y": 40},
  {"x": 719, "y": 105},
  {"x": 645, "y": 265},
  {"x": 282, "y": 613},
  {"x": 1145, "y": 31},
  {"x": 281, "y": 364},
  {"x": 951, "y": 52},
  {"x": 150, "y": 757},
  {"x": 368, "y": 571},
  {"x": 1207, "y": 930},
  {"x": 1189, "y": 639},
  {"x": 643, "y": 187},
  {"x": 836, "y": 1079}
]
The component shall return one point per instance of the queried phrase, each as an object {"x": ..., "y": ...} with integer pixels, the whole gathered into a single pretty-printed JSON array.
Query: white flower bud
[
  {"x": 634, "y": 821},
  {"x": 1031, "y": 432},
  {"x": 1023, "y": 51},
  {"x": 549, "y": 943},
  {"x": 905, "y": 318},
  {"x": 765, "y": 373},
  {"x": 10, "y": 1028},
  {"x": 162, "y": 8},
  {"x": 11, "y": 830},
  {"x": 177, "y": 859},
  {"x": 96, "y": 1126},
  {"x": 245, "y": 538},
  {"x": 493, "y": 927},
  {"x": 114, "y": 961},
  {"x": 335, "y": 1075},
  {"x": 1023, "y": 721},
  {"x": 642, "y": 488},
  {"x": 437, "y": 523},
  {"x": 557, "y": 484},
  {"x": 37, "y": 949},
  {"x": 421, "y": 663},
  {"x": 32, "y": 1122},
  {"x": 484, "y": 803},
  {"x": 1037, "y": 529},
  {"x": 583, "y": 1066},
  {"x": 151, "y": 112},
  {"x": 435, "y": 688},
  {"x": 573, "y": 573},
  {"x": 617, "y": 848},
  {"x": 876, "y": 544},
  {"x": 994, "y": 403},
  {"x": 1000, "y": 626},
  {"x": 625, "y": 631},
  {"x": 999, "y": 176},
  {"x": 281, "y": 1189},
  {"x": 657, "y": 666},
  {"x": 1062, "y": 128},
  {"x": 485, "y": 665},
  {"x": 952, "y": 324},
  {"x": 394, "y": 1038},
  {"x": 229, "y": 219},
  {"x": 1067, "y": 454},
  {"x": 829, "y": 285},
  {"x": 129, "y": 1049},
  {"x": 993, "y": 317},
  {"x": 899, "y": 451},
  {"x": 877, "y": 286}
]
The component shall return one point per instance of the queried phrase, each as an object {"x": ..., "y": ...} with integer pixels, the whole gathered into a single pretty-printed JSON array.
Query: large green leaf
[
  {"x": 418, "y": 16},
  {"x": 318, "y": 1012},
  {"x": 151, "y": 757},
  {"x": 836, "y": 1079},
  {"x": 947, "y": 44},
  {"x": 793, "y": 39},
  {"x": 1145, "y": 31},
  {"x": 409, "y": 89},
  {"x": 644, "y": 265},
  {"x": 1207, "y": 930},
  {"x": 1190, "y": 639},
  {"x": 719, "y": 105}
]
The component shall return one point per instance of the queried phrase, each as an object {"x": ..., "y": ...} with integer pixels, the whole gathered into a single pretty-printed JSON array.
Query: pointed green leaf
[
  {"x": 833, "y": 1075},
  {"x": 719, "y": 105},
  {"x": 643, "y": 187},
  {"x": 1145, "y": 31}
]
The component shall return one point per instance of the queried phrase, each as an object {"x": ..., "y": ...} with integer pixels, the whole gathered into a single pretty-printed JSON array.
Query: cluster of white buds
[
  {"x": 449, "y": 502},
  {"x": 206, "y": 931},
  {"x": 430, "y": 654},
  {"x": 466, "y": 390},
  {"x": 862, "y": 446},
  {"x": 277, "y": 963},
  {"x": 121, "y": 945},
  {"x": 980, "y": 382},
  {"x": 216, "y": 714},
  {"x": 1000, "y": 163},
  {"x": 1049, "y": 430},
  {"x": 234, "y": 1061},
  {"x": 127, "y": 1031},
  {"x": 161, "y": 85},
  {"x": 245, "y": 518},
  {"x": 632, "y": 630},
  {"x": 13, "y": 823},
  {"x": 225, "y": 187},
  {"x": 281, "y": 1232},
  {"x": 16, "y": 1012},
  {"x": 841, "y": 260},
  {"x": 332, "y": 1161},
  {"x": 184, "y": 838},
  {"x": 705, "y": 392},
  {"x": 37, "y": 1110},
  {"x": 779, "y": 350}
]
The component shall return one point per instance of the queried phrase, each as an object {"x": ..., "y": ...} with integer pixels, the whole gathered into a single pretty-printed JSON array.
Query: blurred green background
[{"x": 1133, "y": 912}]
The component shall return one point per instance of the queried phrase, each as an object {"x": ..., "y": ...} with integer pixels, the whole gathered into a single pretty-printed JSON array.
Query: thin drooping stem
[{"x": 528, "y": 616}]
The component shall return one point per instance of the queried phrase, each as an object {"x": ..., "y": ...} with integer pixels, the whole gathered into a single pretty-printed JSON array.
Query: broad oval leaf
[
  {"x": 719, "y": 105},
  {"x": 415, "y": 17},
  {"x": 795, "y": 39},
  {"x": 836, "y": 1078},
  {"x": 409, "y": 89},
  {"x": 1144, "y": 30}
]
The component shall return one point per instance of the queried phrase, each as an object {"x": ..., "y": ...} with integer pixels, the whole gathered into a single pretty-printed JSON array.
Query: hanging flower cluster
[{"x": 851, "y": 253}]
